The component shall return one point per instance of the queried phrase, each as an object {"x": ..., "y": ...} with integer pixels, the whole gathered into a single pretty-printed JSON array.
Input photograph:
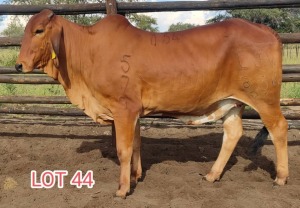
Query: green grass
[
  {"x": 28, "y": 90},
  {"x": 290, "y": 90},
  {"x": 8, "y": 56},
  {"x": 291, "y": 55}
]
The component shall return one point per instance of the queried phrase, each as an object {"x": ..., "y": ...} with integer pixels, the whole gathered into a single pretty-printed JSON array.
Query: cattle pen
[
  {"x": 48, "y": 133},
  {"x": 291, "y": 73}
]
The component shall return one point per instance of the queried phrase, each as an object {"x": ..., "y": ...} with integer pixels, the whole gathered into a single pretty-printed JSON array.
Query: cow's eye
[{"x": 39, "y": 31}]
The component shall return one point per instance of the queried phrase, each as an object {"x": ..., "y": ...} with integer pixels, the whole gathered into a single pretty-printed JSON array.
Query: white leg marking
[{"x": 221, "y": 109}]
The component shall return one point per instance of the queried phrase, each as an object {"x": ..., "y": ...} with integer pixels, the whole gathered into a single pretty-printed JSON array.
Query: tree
[
  {"x": 83, "y": 19},
  {"x": 281, "y": 20},
  {"x": 180, "y": 26},
  {"x": 142, "y": 21},
  {"x": 14, "y": 28}
]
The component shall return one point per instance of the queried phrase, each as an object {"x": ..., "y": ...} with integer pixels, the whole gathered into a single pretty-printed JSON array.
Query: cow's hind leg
[
  {"x": 277, "y": 127},
  {"x": 136, "y": 168},
  {"x": 233, "y": 130}
]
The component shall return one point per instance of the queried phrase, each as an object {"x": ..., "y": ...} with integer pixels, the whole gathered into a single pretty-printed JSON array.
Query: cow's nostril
[{"x": 18, "y": 67}]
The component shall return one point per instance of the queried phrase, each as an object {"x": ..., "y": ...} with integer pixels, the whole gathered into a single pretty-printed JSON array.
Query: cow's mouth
[{"x": 40, "y": 66}]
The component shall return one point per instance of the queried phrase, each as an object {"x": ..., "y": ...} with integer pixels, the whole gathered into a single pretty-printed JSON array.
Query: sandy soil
[{"x": 174, "y": 162}]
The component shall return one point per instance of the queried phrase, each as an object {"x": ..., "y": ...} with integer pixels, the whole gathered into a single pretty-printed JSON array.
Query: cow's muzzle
[{"x": 19, "y": 67}]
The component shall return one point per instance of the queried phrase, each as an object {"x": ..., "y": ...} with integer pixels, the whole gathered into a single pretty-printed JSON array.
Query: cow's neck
[
  {"x": 73, "y": 54},
  {"x": 70, "y": 55}
]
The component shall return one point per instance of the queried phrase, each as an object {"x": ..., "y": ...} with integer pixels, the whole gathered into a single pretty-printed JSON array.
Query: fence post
[{"x": 111, "y": 7}]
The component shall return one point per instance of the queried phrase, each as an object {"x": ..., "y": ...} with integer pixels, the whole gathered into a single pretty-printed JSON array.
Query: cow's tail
[{"x": 259, "y": 140}]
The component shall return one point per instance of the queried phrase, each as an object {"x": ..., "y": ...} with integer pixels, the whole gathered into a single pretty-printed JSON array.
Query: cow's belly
[
  {"x": 212, "y": 113},
  {"x": 188, "y": 102}
]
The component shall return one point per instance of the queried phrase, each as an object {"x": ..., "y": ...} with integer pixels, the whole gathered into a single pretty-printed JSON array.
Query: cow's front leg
[
  {"x": 233, "y": 129},
  {"x": 125, "y": 128},
  {"x": 136, "y": 168}
]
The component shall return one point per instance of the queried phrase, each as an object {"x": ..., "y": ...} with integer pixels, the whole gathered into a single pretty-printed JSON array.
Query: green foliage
[
  {"x": 144, "y": 22},
  {"x": 291, "y": 56},
  {"x": 8, "y": 58},
  {"x": 83, "y": 19},
  {"x": 180, "y": 26},
  {"x": 281, "y": 20},
  {"x": 14, "y": 28},
  {"x": 291, "y": 53}
]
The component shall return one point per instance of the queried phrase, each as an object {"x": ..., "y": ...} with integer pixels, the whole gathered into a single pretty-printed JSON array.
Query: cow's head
[{"x": 40, "y": 44}]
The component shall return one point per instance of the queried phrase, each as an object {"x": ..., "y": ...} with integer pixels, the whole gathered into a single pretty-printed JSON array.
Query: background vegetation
[
  {"x": 290, "y": 56},
  {"x": 282, "y": 20},
  {"x": 8, "y": 58},
  {"x": 16, "y": 28}
]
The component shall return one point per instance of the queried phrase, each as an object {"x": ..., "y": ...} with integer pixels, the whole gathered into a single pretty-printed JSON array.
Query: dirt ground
[{"x": 174, "y": 160}]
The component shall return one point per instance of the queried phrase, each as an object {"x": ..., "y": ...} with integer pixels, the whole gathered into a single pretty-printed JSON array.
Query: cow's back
[{"x": 188, "y": 71}]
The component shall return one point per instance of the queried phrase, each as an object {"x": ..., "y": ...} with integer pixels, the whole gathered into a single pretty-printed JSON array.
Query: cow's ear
[
  {"x": 55, "y": 38},
  {"x": 56, "y": 35},
  {"x": 50, "y": 15}
]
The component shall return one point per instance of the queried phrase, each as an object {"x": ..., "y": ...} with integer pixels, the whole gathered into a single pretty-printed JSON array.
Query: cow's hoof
[
  {"x": 133, "y": 184},
  {"x": 120, "y": 195},
  {"x": 135, "y": 179},
  {"x": 211, "y": 177},
  {"x": 280, "y": 181}
]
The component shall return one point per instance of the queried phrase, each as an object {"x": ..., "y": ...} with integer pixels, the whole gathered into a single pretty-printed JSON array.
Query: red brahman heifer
[{"x": 118, "y": 73}]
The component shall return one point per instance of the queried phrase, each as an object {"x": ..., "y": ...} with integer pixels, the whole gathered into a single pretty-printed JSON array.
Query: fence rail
[
  {"x": 40, "y": 110},
  {"x": 37, "y": 99},
  {"x": 41, "y": 79},
  {"x": 135, "y": 7},
  {"x": 287, "y": 69},
  {"x": 16, "y": 41},
  {"x": 27, "y": 79},
  {"x": 65, "y": 100},
  {"x": 291, "y": 73}
]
